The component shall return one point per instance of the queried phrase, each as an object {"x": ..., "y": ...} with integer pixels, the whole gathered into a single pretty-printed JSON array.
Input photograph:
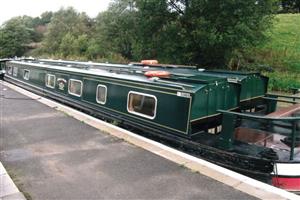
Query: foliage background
[{"x": 229, "y": 34}]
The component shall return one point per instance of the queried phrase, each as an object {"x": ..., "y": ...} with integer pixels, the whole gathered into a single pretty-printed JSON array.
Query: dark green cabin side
[
  {"x": 180, "y": 103},
  {"x": 253, "y": 85},
  {"x": 172, "y": 111}
]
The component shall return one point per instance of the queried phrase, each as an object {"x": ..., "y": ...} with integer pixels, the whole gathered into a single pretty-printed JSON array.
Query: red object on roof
[
  {"x": 162, "y": 74},
  {"x": 149, "y": 62}
]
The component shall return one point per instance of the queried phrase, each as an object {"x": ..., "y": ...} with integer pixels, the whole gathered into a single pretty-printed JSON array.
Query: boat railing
[
  {"x": 230, "y": 119},
  {"x": 291, "y": 98},
  {"x": 295, "y": 90}
]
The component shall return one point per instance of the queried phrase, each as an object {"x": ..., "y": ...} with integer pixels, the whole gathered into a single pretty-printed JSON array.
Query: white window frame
[
  {"x": 9, "y": 70},
  {"x": 97, "y": 100},
  {"x": 13, "y": 71},
  {"x": 49, "y": 86},
  {"x": 75, "y": 80},
  {"x": 140, "y": 114},
  {"x": 28, "y": 74}
]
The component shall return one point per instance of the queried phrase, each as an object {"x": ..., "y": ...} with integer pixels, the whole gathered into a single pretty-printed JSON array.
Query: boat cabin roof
[
  {"x": 187, "y": 82},
  {"x": 183, "y": 70},
  {"x": 115, "y": 67}
]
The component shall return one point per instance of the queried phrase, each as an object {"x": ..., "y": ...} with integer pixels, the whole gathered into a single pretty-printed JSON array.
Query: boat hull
[{"x": 287, "y": 176}]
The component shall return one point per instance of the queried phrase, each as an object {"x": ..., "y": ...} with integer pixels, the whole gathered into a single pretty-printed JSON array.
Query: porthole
[{"x": 101, "y": 94}]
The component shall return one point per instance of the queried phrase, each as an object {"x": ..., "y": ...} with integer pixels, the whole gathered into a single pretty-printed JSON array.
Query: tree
[
  {"x": 206, "y": 33},
  {"x": 290, "y": 6},
  {"x": 198, "y": 32},
  {"x": 156, "y": 36},
  {"x": 115, "y": 29},
  {"x": 66, "y": 25},
  {"x": 14, "y": 36},
  {"x": 66, "y": 46},
  {"x": 217, "y": 29},
  {"x": 45, "y": 18}
]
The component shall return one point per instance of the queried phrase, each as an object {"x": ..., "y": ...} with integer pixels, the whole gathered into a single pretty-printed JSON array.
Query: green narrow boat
[{"x": 225, "y": 117}]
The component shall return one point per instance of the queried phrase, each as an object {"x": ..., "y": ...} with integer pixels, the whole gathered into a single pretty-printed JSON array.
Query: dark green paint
[
  {"x": 172, "y": 111},
  {"x": 206, "y": 91},
  {"x": 226, "y": 138}
]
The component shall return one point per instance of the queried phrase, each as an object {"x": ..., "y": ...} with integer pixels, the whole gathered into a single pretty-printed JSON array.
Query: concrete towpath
[{"x": 8, "y": 190}]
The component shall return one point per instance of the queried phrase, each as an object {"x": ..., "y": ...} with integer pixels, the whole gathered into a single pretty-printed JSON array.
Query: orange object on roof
[
  {"x": 162, "y": 74},
  {"x": 149, "y": 62}
]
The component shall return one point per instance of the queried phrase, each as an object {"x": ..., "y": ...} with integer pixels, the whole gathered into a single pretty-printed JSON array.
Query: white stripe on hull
[{"x": 287, "y": 169}]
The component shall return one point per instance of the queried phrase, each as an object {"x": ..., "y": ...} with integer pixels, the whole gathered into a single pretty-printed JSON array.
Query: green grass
[
  {"x": 282, "y": 81},
  {"x": 285, "y": 40},
  {"x": 281, "y": 52},
  {"x": 286, "y": 33}
]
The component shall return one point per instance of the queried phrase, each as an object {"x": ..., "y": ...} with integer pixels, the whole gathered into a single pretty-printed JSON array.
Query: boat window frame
[
  {"x": 10, "y": 70},
  {"x": 97, "y": 100},
  {"x": 141, "y": 114},
  {"x": 15, "y": 71},
  {"x": 26, "y": 70},
  {"x": 49, "y": 86},
  {"x": 69, "y": 85}
]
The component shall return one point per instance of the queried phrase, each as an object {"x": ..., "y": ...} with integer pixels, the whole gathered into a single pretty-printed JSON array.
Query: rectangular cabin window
[
  {"x": 15, "y": 71},
  {"x": 101, "y": 94},
  {"x": 75, "y": 87},
  {"x": 142, "y": 104},
  {"x": 26, "y": 74},
  {"x": 9, "y": 70},
  {"x": 50, "y": 80}
]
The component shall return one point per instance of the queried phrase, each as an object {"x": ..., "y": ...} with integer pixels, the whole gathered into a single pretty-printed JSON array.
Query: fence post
[
  {"x": 295, "y": 91},
  {"x": 293, "y": 139}
]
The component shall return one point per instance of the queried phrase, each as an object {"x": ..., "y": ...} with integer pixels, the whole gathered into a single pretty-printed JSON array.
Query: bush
[{"x": 282, "y": 81}]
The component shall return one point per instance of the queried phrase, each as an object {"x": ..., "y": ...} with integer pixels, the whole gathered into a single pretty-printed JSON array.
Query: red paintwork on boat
[{"x": 287, "y": 183}]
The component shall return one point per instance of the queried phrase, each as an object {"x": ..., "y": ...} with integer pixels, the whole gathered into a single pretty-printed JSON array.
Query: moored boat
[{"x": 224, "y": 117}]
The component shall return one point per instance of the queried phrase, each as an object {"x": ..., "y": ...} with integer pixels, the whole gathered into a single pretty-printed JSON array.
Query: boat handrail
[
  {"x": 281, "y": 100},
  {"x": 228, "y": 127},
  {"x": 283, "y": 96},
  {"x": 258, "y": 117}
]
